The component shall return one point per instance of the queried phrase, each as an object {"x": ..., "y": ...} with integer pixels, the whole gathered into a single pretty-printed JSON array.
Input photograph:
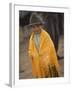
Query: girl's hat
[{"x": 35, "y": 19}]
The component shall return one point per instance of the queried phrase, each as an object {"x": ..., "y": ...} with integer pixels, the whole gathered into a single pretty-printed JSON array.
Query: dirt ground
[{"x": 25, "y": 70}]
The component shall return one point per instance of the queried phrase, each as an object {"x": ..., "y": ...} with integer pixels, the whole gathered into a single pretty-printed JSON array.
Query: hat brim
[{"x": 29, "y": 25}]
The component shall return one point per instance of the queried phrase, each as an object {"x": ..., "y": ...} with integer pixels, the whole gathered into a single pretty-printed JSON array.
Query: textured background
[{"x": 54, "y": 26}]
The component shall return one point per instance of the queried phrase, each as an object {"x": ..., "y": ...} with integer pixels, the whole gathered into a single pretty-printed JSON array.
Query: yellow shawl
[{"x": 45, "y": 57}]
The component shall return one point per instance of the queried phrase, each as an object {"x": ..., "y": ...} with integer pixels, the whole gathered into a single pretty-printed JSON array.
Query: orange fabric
[{"x": 44, "y": 57}]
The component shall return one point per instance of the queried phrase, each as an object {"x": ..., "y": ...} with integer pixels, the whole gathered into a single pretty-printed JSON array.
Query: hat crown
[{"x": 36, "y": 19}]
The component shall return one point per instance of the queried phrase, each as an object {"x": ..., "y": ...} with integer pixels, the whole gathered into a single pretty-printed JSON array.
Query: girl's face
[{"x": 36, "y": 28}]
